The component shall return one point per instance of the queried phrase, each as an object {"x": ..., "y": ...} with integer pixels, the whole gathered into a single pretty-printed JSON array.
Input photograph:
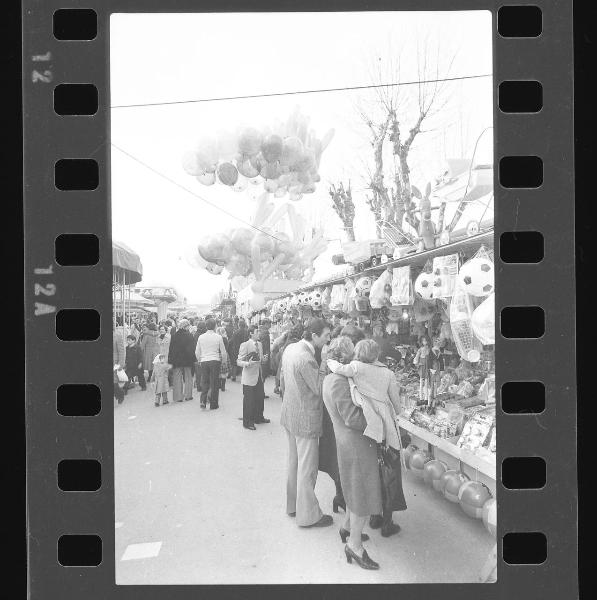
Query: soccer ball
[
  {"x": 424, "y": 285},
  {"x": 363, "y": 285},
  {"x": 315, "y": 299},
  {"x": 303, "y": 298},
  {"x": 477, "y": 276}
]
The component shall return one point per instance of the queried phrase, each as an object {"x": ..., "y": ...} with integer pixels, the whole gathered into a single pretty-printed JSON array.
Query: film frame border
[{"x": 50, "y": 212}]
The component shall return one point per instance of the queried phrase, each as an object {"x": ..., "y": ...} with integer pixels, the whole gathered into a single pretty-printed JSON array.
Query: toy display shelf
[
  {"x": 464, "y": 456},
  {"x": 466, "y": 245}
]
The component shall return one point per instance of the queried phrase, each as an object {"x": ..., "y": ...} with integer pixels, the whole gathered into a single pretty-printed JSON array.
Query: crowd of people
[{"x": 339, "y": 405}]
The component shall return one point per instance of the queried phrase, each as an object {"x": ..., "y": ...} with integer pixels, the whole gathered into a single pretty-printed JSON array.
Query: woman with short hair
[{"x": 357, "y": 457}]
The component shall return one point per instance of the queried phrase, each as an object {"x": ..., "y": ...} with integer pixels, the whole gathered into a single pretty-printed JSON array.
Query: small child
[{"x": 159, "y": 377}]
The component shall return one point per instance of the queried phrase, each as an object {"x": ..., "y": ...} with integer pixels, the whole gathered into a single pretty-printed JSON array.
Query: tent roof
[{"x": 126, "y": 262}]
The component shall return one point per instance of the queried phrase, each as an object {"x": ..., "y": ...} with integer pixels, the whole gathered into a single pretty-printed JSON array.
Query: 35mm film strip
[{"x": 68, "y": 234}]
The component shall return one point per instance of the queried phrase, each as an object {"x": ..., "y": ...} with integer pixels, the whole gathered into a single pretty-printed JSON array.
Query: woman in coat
[
  {"x": 357, "y": 457},
  {"x": 149, "y": 347}
]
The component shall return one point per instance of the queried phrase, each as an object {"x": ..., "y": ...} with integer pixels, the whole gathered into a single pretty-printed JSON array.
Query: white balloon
[
  {"x": 206, "y": 178},
  {"x": 190, "y": 163}
]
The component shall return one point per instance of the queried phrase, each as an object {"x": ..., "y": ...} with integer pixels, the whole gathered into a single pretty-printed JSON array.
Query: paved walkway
[{"x": 200, "y": 500}]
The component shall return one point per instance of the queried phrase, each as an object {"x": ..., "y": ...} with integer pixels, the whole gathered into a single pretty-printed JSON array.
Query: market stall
[
  {"x": 127, "y": 270},
  {"x": 432, "y": 312}
]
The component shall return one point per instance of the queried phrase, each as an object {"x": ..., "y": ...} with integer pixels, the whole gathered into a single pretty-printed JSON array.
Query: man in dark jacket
[
  {"x": 240, "y": 336},
  {"x": 182, "y": 358},
  {"x": 264, "y": 338}
]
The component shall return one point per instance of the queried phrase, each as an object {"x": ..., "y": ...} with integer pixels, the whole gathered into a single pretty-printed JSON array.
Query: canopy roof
[{"x": 126, "y": 264}]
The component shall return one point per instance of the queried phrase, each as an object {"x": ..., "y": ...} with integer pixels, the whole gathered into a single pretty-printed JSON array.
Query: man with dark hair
[
  {"x": 301, "y": 416},
  {"x": 181, "y": 357},
  {"x": 240, "y": 335},
  {"x": 354, "y": 333},
  {"x": 250, "y": 358},
  {"x": 210, "y": 352}
]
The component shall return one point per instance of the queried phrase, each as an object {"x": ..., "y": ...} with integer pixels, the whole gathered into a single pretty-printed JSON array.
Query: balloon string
[{"x": 182, "y": 187}]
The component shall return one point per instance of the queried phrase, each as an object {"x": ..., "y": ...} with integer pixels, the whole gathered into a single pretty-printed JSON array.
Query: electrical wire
[
  {"x": 299, "y": 92},
  {"x": 182, "y": 187}
]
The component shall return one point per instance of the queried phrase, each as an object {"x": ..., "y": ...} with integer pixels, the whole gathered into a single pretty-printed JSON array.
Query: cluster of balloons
[
  {"x": 284, "y": 158},
  {"x": 246, "y": 251}
]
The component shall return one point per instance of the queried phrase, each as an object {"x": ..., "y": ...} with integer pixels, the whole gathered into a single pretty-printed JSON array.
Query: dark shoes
[
  {"x": 156, "y": 403},
  {"x": 363, "y": 561},
  {"x": 375, "y": 521},
  {"x": 264, "y": 420},
  {"x": 251, "y": 427},
  {"x": 292, "y": 514},
  {"x": 325, "y": 521},
  {"x": 344, "y": 533},
  {"x": 203, "y": 405},
  {"x": 214, "y": 407},
  {"x": 390, "y": 529}
]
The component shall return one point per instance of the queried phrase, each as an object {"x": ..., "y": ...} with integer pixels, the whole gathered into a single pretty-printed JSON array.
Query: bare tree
[
  {"x": 344, "y": 207},
  {"x": 386, "y": 119}
]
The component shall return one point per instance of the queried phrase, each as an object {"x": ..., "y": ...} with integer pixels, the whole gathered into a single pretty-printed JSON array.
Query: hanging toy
[
  {"x": 315, "y": 300},
  {"x": 363, "y": 286},
  {"x": 426, "y": 226},
  {"x": 476, "y": 276},
  {"x": 424, "y": 285}
]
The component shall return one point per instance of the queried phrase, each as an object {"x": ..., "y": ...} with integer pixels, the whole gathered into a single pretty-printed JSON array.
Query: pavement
[{"x": 200, "y": 500}]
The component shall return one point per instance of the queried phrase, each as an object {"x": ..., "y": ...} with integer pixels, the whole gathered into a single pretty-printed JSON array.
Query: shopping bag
[{"x": 390, "y": 474}]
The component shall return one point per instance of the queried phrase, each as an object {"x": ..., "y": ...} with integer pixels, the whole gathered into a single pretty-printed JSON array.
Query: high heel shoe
[
  {"x": 338, "y": 502},
  {"x": 344, "y": 534},
  {"x": 363, "y": 561}
]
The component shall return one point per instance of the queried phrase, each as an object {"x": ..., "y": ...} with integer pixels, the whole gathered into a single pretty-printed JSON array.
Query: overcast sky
[{"x": 173, "y": 57}]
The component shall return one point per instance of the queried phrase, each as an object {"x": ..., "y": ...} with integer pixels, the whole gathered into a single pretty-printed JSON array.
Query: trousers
[
  {"x": 253, "y": 403},
  {"x": 182, "y": 383},
  {"x": 303, "y": 460},
  {"x": 210, "y": 382}
]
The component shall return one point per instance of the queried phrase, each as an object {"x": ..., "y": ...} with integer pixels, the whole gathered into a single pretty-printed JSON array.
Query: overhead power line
[
  {"x": 182, "y": 187},
  {"x": 296, "y": 93}
]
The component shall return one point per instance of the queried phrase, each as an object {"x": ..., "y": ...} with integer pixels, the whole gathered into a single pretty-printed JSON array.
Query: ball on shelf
[
  {"x": 489, "y": 515},
  {"x": 408, "y": 452},
  {"x": 433, "y": 471},
  {"x": 472, "y": 495},
  {"x": 452, "y": 479},
  {"x": 315, "y": 299},
  {"x": 418, "y": 462}
]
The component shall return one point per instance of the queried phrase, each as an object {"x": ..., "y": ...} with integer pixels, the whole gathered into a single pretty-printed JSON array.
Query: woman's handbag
[{"x": 390, "y": 474}]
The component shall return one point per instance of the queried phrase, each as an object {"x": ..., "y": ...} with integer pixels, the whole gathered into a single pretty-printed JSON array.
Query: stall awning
[{"x": 126, "y": 263}]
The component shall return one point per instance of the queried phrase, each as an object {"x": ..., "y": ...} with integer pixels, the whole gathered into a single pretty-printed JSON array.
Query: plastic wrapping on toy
[
  {"x": 349, "y": 296},
  {"x": 402, "y": 292},
  {"x": 337, "y": 297},
  {"x": 483, "y": 321},
  {"x": 461, "y": 309},
  {"x": 487, "y": 390},
  {"x": 378, "y": 296},
  {"x": 325, "y": 298},
  {"x": 445, "y": 273}
]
